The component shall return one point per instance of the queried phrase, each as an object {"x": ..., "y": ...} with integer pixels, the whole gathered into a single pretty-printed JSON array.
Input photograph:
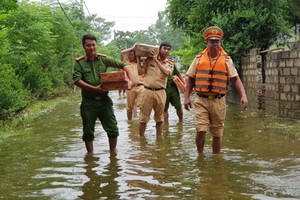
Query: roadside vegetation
[{"x": 40, "y": 39}]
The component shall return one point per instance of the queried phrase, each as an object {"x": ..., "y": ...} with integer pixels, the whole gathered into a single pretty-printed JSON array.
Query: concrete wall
[{"x": 272, "y": 81}]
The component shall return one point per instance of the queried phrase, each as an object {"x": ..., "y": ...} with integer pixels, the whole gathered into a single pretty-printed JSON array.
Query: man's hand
[
  {"x": 99, "y": 88},
  {"x": 187, "y": 104},
  {"x": 244, "y": 102},
  {"x": 154, "y": 54}
]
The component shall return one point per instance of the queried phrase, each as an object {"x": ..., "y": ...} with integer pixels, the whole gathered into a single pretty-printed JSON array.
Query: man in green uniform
[
  {"x": 95, "y": 101},
  {"x": 173, "y": 96}
]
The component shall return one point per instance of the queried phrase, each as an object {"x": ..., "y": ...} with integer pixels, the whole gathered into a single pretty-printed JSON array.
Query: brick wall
[{"x": 272, "y": 81}]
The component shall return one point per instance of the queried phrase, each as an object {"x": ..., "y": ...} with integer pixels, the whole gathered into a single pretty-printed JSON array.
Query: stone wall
[{"x": 272, "y": 80}]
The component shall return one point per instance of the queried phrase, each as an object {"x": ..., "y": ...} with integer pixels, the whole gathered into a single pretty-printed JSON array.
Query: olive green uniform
[
  {"x": 96, "y": 105},
  {"x": 172, "y": 92}
]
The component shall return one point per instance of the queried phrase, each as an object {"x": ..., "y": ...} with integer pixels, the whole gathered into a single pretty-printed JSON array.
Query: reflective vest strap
[
  {"x": 219, "y": 88},
  {"x": 203, "y": 71},
  {"x": 212, "y": 72},
  {"x": 211, "y": 87},
  {"x": 220, "y": 73},
  {"x": 202, "y": 86},
  {"x": 202, "y": 79},
  {"x": 220, "y": 80},
  {"x": 211, "y": 80}
]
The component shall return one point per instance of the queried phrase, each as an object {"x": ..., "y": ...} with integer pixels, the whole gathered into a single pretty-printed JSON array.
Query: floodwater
[{"x": 49, "y": 161}]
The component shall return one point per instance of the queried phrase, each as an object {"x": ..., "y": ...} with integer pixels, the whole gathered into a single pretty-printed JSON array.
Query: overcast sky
[{"x": 129, "y": 15}]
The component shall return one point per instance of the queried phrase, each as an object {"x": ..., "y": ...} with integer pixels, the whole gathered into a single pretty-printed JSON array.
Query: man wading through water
[
  {"x": 209, "y": 74},
  {"x": 95, "y": 101}
]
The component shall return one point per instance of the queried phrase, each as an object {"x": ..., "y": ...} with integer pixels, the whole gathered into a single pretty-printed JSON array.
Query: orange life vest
[{"x": 212, "y": 78}]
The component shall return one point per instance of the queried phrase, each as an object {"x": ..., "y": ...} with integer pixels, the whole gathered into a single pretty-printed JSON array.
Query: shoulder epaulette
[
  {"x": 170, "y": 61},
  {"x": 102, "y": 55},
  {"x": 79, "y": 58}
]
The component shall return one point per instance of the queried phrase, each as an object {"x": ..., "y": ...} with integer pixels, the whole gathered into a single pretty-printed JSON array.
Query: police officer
[
  {"x": 156, "y": 69},
  {"x": 134, "y": 95},
  {"x": 173, "y": 96},
  {"x": 209, "y": 74},
  {"x": 95, "y": 101}
]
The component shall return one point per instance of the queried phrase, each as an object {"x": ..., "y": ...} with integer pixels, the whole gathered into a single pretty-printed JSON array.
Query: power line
[
  {"x": 68, "y": 18},
  {"x": 89, "y": 13}
]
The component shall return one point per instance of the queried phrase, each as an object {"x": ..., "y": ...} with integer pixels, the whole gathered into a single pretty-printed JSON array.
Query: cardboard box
[
  {"x": 144, "y": 50},
  {"x": 116, "y": 76},
  {"x": 180, "y": 85},
  {"x": 122, "y": 85}
]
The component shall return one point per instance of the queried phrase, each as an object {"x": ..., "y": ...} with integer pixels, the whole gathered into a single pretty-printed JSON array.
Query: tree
[
  {"x": 13, "y": 96},
  {"x": 154, "y": 35},
  {"x": 294, "y": 14},
  {"x": 39, "y": 41},
  {"x": 247, "y": 24},
  {"x": 163, "y": 31},
  {"x": 7, "y": 5}
]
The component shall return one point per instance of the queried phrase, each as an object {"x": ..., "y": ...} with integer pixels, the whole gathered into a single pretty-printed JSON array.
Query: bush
[{"x": 13, "y": 97}]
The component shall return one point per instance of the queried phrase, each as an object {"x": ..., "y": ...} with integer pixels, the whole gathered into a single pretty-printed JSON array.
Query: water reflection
[
  {"x": 49, "y": 162},
  {"x": 213, "y": 177},
  {"x": 102, "y": 182}
]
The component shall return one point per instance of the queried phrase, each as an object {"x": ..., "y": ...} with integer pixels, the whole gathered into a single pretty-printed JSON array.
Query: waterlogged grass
[
  {"x": 289, "y": 127},
  {"x": 17, "y": 125},
  {"x": 273, "y": 124}
]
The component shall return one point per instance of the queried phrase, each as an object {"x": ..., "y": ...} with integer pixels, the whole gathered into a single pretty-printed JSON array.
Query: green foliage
[
  {"x": 29, "y": 34},
  {"x": 292, "y": 8},
  {"x": 124, "y": 40},
  {"x": 40, "y": 39},
  {"x": 38, "y": 44},
  {"x": 162, "y": 31},
  {"x": 7, "y": 5},
  {"x": 156, "y": 33},
  {"x": 247, "y": 24},
  {"x": 13, "y": 95},
  {"x": 187, "y": 54},
  {"x": 110, "y": 50}
]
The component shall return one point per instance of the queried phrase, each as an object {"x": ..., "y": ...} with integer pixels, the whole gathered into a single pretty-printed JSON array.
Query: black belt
[
  {"x": 138, "y": 85},
  {"x": 217, "y": 96},
  {"x": 96, "y": 98},
  {"x": 154, "y": 89}
]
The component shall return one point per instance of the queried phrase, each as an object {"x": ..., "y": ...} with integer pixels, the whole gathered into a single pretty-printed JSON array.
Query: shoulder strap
[
  {"x": 169, "y": 61},
  {"x": 79, "y": 58},
  {"x": 101, "y": 55}
]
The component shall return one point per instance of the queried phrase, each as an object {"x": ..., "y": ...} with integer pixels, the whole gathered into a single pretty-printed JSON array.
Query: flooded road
[{"x": 49, "y": 160}]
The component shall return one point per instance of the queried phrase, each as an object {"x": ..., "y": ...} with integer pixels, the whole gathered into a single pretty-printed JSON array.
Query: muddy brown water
[{"x": 48, "y": 161}]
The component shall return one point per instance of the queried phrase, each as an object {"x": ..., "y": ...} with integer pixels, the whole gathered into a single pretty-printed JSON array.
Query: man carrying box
[
  {"x": 95, "y": 101},
  {"x": 156, "y": 68},
  {"x": 134, "y": 95}
]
